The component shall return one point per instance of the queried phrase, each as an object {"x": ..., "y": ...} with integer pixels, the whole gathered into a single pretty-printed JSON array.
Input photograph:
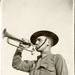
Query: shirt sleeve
[
  {"x": 18, "y": 64},
  {"x": 61, "y": 67}
]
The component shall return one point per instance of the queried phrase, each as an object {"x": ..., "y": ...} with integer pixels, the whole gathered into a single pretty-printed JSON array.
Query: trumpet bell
[{"x": 4, "y": 33}]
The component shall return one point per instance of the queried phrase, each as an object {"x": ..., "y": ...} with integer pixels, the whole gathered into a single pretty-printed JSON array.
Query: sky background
[
  {"x": 0, "y": 36},
  {"x": 22, "y": 18}
]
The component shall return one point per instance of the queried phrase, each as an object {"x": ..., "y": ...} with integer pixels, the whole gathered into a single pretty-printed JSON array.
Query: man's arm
[
  {"x": 18, "y": 64},
  {"x": 61, "y": 67}
]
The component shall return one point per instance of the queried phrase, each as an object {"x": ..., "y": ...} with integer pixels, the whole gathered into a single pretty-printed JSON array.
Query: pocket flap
[{"x": 47, "y": 67}]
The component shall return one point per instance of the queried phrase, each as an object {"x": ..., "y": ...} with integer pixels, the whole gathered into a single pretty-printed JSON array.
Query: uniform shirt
[{"x": 46, "y": 64}]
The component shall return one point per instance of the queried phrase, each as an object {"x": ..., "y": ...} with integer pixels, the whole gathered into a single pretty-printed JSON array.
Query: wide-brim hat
[{"x": 44, "y": 33}]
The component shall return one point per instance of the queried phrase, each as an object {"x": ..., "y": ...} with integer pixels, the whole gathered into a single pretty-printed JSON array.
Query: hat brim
[{"x": 44, "y": 33}]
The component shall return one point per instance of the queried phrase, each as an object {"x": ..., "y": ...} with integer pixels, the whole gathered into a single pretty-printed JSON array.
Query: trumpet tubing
[
  {"x": 9, "y": 36},
  {"x": 6, "y": 34}
]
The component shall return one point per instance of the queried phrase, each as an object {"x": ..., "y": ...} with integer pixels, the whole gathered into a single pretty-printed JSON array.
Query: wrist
[
  {"x": 19, "y": 49},
  {"x": 18, "y": 52}
]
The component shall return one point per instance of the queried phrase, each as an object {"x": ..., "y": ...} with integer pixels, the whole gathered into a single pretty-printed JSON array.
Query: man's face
[{"x": 41, "y": 43}]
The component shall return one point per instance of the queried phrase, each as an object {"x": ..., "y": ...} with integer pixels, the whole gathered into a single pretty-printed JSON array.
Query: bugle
[{"x": 9, "y": 36}]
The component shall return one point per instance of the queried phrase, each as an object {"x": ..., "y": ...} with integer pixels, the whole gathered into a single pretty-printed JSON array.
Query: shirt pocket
[{"x": 48, "y": 67}]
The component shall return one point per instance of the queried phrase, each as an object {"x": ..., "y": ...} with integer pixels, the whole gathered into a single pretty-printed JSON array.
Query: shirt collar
[{"x": 45, "y": 54}]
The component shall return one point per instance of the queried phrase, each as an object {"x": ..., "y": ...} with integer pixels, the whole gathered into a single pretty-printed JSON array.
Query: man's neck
[
  {"x": 43, "y": 54},
  {"x": 48, "y": 49}
]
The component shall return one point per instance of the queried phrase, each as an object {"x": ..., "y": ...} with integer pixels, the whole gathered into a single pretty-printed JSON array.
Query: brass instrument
[{"x": 9, "y": 36}]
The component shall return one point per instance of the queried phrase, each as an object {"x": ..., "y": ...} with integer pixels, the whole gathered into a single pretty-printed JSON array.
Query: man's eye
[{"x": 39, "y": 39}]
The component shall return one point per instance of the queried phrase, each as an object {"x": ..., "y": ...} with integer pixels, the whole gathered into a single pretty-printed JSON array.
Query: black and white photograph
[{"x": 37, "y": 37}]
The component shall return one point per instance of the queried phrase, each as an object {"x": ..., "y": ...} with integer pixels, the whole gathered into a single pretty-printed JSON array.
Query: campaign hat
[{"x": 50, "y": 34}]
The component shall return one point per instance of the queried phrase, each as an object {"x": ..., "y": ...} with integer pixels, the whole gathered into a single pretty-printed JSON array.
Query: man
[{"x": 47, "y": 63}]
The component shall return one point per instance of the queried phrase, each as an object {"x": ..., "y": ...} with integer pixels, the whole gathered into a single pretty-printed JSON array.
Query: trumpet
[{"x": 9, "y": 36}]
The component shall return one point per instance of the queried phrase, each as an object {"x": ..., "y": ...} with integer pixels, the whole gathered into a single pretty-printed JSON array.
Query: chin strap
[{"x": 43, "y": 43}]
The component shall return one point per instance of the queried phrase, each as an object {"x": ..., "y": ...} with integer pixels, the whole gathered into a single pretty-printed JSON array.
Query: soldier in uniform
[{"x": 46, "y": 63}]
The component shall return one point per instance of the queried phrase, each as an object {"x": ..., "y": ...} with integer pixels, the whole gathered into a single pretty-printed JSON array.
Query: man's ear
[{"x": 49, "y": 43}]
